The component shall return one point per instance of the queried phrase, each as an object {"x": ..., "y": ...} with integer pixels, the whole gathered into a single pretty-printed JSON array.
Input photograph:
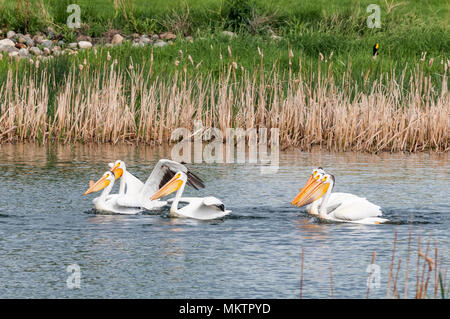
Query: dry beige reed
[{"x": 111, "y": 106}]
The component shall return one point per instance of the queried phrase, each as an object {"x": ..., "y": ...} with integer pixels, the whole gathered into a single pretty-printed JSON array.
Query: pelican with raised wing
[
  {"x": 204, "y": 208},
  {"x": 335, "y": 207},
  {"x": 106, "y": 202},
  {"x": 134, "y": 193}
]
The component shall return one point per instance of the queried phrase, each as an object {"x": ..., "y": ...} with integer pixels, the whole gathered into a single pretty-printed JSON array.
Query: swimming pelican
[
  {"x": 335, "y": 207},
  {"x": 204, "y": 208},
  {"x": 107, "y": 203},
  {"x": 134, "y": 193}
]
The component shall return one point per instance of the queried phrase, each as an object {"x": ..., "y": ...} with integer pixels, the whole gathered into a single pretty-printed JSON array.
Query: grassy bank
[{"x": 320, "y": 71}]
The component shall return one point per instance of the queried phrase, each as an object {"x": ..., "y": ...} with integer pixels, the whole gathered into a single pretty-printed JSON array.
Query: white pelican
[
  {"x": 335, "y": 207},
  {"x": 107, "y": 203},
  {"x": 134, "y": 193},
  {"x": 204, "y": 208}
]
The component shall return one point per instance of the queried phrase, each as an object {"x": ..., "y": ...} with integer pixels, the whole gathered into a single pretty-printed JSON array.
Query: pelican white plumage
[
  {"x": 204, "y": 208},
  {"x": 134, "y": 193},
  {"x": 335, "y": 207},
  {"x": 106, "y": 202}
]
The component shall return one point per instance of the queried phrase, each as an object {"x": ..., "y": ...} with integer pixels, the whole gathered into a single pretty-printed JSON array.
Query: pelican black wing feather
[
  {"x": 168, "y": 175},
  {"x": 194, "y": 181}
]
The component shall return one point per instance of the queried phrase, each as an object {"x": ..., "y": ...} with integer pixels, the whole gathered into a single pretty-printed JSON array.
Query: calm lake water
[{"x": 46, "y": 224}]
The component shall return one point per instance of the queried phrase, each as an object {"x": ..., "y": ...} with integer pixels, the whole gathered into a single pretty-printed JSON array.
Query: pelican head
[
  {"x": 316, "y": 173},
  {"x": 103, "y": 182},
  {"x": 171, "y": 186},
  {"x": 317, "y": 185},
  {"x": 118, "y": 168}
]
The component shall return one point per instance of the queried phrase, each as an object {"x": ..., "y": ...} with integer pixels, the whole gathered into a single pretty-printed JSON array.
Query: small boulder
[
  {"x": 85, "y": 44},
  {"x": 117, "y": 39},
  {"x": 7, "y": 42},
  {"x": 35, "y": 51},
  {"x": 29, "y": 42},
  {"x": 145, "y": 40},
  {"x": 167, "y": 36},
  {"x": 73, "y": 45},
  {"x": 38, "y": 38},
  {"x": 46, "y": 51},
  {"x": 228, "y": 33},
  {"x": 21, "y": 39},
  {"x": 10, "y": 34},
  {"x": 160, "y": 44},
  {"x": 155, "y": 37},
  {"x": 47, "y": 43},
  {"x": 23, "y": 52},
  {"x": 20, "y": 45}
]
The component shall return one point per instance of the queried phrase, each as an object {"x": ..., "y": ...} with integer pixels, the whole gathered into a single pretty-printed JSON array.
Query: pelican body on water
[{"x": 319, "y": 200}]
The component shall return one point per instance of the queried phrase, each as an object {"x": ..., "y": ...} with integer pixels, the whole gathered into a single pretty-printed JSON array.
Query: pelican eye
[{"x": 325, "y": 178}]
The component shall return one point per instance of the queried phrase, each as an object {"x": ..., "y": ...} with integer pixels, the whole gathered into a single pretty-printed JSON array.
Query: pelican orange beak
[
  {"x": 312, "y": 191},
  {"x": 118, "y": 172},
  {"x": 309, "y": 183},
  {"x": 97, "y": 186},
  {"x": 171, "y": 186}
]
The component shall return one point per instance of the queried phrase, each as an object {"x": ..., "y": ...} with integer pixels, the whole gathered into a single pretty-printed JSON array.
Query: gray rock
[
  {"x": 10, "y": 34},
  {"x": 61, "y": 43},
  {"x": 7, "y": 42},
  {"x": 29, "y": 42},
  {"x": 46, "y": 51},
  {"x": 35, "y": 51},
  {"x": 155, "y": 37},
  {"x": 73, "y": 45},
  {"x": 138, "y": 44},
  {"x": 145, "y": 40},
  {"x": 160, "y": 44},
  {"x": 47, "y": 43},
  {"x": 85, "y": 44},
  {"x": 38, "y": 38},
  {"x": 6, "y": 48},
  {"x": 23, "y": 52}
]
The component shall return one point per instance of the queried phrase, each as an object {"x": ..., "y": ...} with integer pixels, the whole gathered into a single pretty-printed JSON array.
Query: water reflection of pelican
[
  {"x": 335, "y": 207},
  {"x": 311, "y": 230}
]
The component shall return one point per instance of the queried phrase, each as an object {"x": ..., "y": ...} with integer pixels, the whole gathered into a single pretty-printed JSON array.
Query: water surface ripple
[{"x": 47, "y": 224}]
